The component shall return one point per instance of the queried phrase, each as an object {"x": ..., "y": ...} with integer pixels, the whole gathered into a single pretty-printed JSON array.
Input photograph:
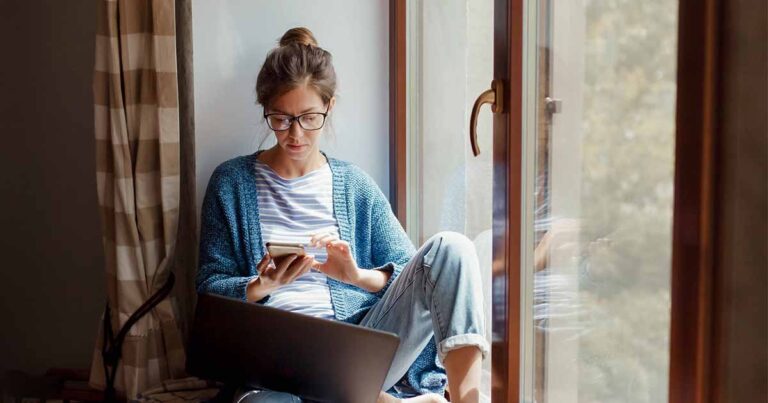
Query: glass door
[
  {"x": 569, "y": 202},
  {"x": 598, "y": 127},
  {"x": 450, "y": 60}
]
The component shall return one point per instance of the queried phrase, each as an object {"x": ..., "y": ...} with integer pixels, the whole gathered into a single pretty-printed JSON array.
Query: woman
[{"x": 362, "y": 267}]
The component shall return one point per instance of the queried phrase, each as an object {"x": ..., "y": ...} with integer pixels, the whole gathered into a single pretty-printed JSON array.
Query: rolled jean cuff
[{"x": 462, "y": 340}]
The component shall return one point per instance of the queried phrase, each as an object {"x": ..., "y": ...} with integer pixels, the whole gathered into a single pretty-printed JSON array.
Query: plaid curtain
[{"x": 137, "y": 168}]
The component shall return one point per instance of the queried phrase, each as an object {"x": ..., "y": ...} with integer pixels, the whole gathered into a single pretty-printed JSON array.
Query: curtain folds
[
  {"x": 138, "y": 170},
  {"x": 187, "y": 246}
]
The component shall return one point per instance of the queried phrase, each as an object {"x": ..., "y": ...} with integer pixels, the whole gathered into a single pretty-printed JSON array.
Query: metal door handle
[{"x": 493, "y": 96}]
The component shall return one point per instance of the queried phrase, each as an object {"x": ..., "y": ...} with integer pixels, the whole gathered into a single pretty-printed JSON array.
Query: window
[
  {"x": 600, "y": 120},
  {"x": 449, "y": 62},
  {"x": 598, "y": 92}
]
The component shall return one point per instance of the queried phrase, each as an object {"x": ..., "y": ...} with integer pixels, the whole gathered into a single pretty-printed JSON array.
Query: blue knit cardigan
[{"x": 231, "y": 245}]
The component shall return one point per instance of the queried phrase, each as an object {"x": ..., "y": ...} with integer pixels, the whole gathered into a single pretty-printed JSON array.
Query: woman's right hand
[{"x": 273, "y": 276}]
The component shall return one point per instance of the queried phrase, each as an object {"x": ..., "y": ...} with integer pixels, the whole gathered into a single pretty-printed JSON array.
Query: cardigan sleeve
[
  {"x": 221, "y": 271},
  {"x": 391, "y": 249}
]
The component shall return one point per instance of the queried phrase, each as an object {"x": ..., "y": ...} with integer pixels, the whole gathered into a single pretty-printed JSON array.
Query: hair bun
[{"x": 299, "y": 35}]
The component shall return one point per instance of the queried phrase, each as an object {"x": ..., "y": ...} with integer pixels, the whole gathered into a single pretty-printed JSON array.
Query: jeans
[{"x": 438, "y": 292}]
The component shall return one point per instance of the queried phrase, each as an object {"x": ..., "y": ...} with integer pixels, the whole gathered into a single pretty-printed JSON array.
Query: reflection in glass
[{"x": 600, "y": 241}]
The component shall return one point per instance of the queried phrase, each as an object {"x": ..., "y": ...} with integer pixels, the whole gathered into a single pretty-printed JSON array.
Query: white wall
[{"x": 231, "y": 40}]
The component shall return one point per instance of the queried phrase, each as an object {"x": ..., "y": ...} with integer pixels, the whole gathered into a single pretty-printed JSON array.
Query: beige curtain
[
  {"x": 138, "y": 176},
  {"x": 187, "y": 244}
]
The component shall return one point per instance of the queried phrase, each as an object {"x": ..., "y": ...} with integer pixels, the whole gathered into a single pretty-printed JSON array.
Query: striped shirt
[{"x": 292, "y": 210}]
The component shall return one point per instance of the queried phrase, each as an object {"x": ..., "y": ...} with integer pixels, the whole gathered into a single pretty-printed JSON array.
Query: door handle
[{"x": 493, "y": 96}]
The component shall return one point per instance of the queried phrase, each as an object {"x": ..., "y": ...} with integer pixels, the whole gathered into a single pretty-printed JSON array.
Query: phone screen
[{"x": 277, "y": 250}]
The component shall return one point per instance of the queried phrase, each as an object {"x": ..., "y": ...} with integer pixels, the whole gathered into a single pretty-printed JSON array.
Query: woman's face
[{"x": 297, "y": 143}]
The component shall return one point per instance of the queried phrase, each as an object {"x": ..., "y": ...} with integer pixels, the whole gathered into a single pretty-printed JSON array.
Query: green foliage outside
[{"x": 627, "y": 195}]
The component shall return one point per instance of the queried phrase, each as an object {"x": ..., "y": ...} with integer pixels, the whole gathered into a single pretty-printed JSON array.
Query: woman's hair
[{"x": 297, "y": 61}]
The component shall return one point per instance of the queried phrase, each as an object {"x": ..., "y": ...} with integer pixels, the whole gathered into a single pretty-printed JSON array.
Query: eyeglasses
[{"x": 307, "y": 121}]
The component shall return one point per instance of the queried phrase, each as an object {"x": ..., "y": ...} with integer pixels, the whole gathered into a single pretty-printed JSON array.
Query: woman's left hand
[{"x": 340, "y": 265}]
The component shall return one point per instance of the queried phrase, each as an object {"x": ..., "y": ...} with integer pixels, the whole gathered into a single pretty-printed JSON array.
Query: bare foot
[{"x": 428, "y": 398}]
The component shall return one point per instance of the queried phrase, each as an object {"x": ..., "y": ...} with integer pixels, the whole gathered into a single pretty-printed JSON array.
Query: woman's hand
[
  {"x": 340, "y": 265},
  {"x": 272, "y": 277}
]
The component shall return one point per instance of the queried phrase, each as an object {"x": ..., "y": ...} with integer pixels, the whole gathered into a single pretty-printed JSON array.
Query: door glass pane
[
  {"x": 599, "y": 125},
  {"x": 450, "y": 62}
]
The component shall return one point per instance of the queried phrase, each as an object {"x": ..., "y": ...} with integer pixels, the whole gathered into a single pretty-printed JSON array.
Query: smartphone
[{"x": 282, "y": 249}]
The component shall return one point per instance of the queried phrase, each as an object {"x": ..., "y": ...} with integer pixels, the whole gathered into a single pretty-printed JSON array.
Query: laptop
[{"x": 322, "y": 360}]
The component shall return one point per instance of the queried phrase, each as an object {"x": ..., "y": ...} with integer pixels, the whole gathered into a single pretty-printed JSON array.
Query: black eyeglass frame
[{"x": 297, "y": 119}]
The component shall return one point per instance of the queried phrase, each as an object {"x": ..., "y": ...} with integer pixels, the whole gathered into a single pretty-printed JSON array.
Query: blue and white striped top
[{"x": 292, "y": 210}]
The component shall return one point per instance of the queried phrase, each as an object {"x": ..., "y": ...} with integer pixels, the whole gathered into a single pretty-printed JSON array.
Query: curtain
[
  {"x": 136, "y": 112},
  {"x": 187, "y": 244}
]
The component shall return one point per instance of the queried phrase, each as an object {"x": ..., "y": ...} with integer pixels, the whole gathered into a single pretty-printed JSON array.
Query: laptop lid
[{"x": 318, "y": 359}]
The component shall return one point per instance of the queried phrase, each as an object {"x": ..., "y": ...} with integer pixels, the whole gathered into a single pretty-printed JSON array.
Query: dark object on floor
[{"x": 57, "y": 384}]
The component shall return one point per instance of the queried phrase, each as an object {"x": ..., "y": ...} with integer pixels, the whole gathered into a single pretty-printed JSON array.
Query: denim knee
[
  {"x": 455, "y": 241},
  {"x": 453, "y": 248}
]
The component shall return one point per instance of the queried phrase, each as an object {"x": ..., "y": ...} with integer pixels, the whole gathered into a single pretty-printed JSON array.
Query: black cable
[{"x": 113, "y": 345}]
